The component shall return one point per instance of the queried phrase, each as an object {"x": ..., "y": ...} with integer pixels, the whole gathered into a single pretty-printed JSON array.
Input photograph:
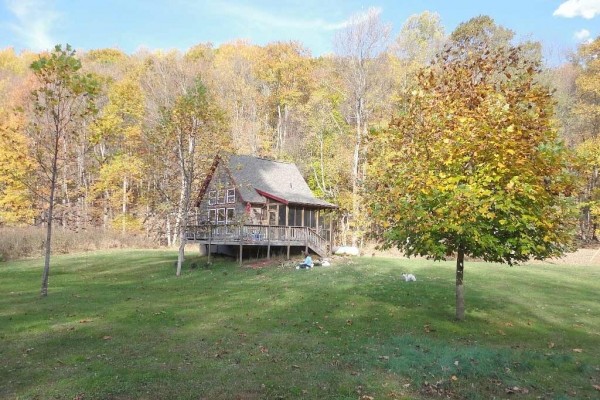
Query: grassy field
[{"x": 120, "y": 325}]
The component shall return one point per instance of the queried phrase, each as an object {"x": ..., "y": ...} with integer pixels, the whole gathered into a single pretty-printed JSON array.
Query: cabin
[{"x": 249, "y": 205}]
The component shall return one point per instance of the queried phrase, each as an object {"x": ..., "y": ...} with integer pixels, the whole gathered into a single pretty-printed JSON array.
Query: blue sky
[{"x": 178, "y": 24}]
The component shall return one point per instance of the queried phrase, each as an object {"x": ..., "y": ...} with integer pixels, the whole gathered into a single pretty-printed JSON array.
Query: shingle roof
[{"x": 256, "y": 178}]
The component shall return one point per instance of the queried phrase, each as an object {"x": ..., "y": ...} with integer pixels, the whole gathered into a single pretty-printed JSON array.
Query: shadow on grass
[{"x": 121, "y": 325}]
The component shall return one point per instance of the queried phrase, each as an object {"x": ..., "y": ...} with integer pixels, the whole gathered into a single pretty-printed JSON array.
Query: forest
[{"x": 139, "y": 131}]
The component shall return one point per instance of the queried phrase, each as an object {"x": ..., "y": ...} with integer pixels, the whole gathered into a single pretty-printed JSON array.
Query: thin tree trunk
[
  {"x": 460, "y": 290},
  {"x": 279, "y": 130},
  {"x": 355, "y": 184},
  {"x": 124, "y": 207},
  {"x": 187, "y": 175},
  {"x": 168, "y": 231},
  {"x": 46, "y": 273},
  {"x": 106, "y": 210}
]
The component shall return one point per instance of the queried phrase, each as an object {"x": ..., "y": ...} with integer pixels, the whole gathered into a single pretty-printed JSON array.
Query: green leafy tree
[
  {"x": 117, "y": 135},
  {"x": 193, "y": 128},
  {"x": 15, "y": 164},
  {"x": 472, "y": 167},
  {"x": 63, "y": 99},
  {"x": 586, "y": 113}
]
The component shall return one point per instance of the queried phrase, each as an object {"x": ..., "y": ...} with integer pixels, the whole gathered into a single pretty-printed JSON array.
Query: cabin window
[
  {"x": 272, "y": 217},
  {"x": 221, "y": 196},
  {"x": 212, "y": 197},
  {"x": 221, "y": 216},
  {"x": 230, "y": 196},
  {"x": 230, "y": 215},
  {"x": 212, "y": 215},
  {"x": 282, "y": 215},
  {"x": 309, "y": 218}
]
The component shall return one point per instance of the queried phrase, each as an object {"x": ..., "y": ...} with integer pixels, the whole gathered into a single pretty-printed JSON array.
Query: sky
[{"x": 131, "y": 25}]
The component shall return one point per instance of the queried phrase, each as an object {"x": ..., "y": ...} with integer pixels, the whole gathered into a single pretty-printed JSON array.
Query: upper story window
[
  {"x": 231, "y": 195},
  {"x": 221, "y": 196},
  {"x": 212, "y": 197}
]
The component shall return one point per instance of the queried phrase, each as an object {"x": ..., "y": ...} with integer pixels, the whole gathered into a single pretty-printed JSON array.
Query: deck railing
[{"x": 258, "y": 235}]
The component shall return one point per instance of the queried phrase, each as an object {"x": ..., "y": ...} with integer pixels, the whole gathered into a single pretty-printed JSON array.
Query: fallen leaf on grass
[
  {"x": 550, "y": 345},
  {"x": 384, "y": 358},
  {"x": 85, "y": 321},
  {"x": 454, "y": 378},
  {"x": 516, "y": 389},
  {"x": 597, "y": 387},
  {"x": 509, "y": 324},
  {"x": 107, "y": 337},
  {"x": 578, "y": 350}
]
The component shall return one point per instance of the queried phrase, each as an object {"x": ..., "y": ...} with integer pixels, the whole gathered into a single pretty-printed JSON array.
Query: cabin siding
[
  {"x": 220, "y": 183},
  {"x": 269, "y": 204}
]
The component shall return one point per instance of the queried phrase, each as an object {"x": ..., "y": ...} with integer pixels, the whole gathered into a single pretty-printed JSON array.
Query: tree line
[{"x": 143, "y": 128}]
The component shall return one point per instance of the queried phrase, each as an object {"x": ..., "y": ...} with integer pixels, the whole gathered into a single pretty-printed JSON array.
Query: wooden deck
[{"x": 259, "y": 235}]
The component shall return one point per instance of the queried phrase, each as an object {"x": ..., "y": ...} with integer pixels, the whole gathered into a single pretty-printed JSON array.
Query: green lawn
[{"x": 120, "y": 325}]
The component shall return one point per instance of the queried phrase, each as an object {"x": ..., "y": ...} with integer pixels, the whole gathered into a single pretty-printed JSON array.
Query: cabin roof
[{"x": 258, "y": 179}]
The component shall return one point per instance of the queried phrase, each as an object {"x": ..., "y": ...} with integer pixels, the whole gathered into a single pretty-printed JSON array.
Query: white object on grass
[{"x": 347, "y": 251}]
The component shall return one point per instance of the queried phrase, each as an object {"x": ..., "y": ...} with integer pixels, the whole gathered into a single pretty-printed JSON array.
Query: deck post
[
  {"x": 288, "y": 234},
  {"x": 306, "y": 239},
  {"x": 269, "y": 242},
  {"x": 209, "y": 242},
  {"x": 241, "y": 250},
  {"x": 330, "y": 234}
]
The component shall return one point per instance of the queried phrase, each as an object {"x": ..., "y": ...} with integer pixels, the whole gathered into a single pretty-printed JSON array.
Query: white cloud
[
  {"x": 582, "y": 34},
  {"x": 34, "y": 23},
  {"x": 587, "y": 9}
]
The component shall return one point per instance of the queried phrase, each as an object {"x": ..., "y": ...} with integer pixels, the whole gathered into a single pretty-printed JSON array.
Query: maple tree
[{"x": 472, "y": 166}]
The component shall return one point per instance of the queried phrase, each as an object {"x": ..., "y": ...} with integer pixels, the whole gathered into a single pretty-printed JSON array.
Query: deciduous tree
[
  {"x": 586, "y": 113},
  {"x": 359, "y": 49},
  {"x": 63, "y": 99},
  {"x": 473, "y": 166}
]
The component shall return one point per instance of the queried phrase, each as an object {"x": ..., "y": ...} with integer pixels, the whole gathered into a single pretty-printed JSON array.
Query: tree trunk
[
  {"x": 46, "y": 273},
  {"x": 187, "y": 174},
  {"x": 460, "y": 290},
  {"x": 124, "y": 206},
  {"x": 355, "y": 178},
  {"x": 279, "y": 139},
  {"x": 181, "y": 254},
  {"x": 106, "y": 210},
  {"x": 169, "y": 243}
]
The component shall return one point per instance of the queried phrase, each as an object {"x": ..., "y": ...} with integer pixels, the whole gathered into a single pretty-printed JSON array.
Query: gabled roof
[{"x": 258, "y": 179}]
